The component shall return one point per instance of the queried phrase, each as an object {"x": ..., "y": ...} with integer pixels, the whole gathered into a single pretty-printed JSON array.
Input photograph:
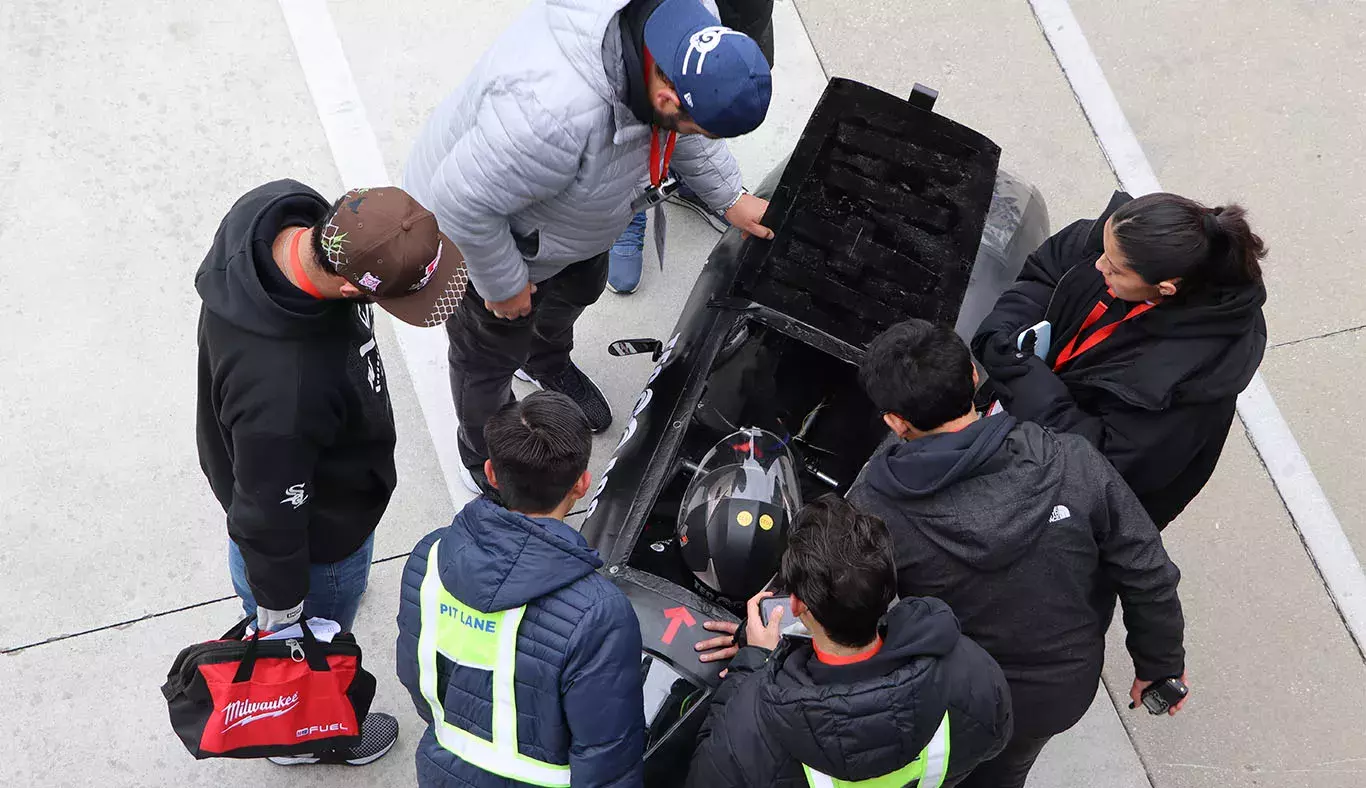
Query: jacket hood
[
  {"x": 580, "y": 28},
  {"x": 500, "y": 559},
  {"x": 880, "y": 720},
  {"x": 229, "y": 280},
  {"x": 982, "y": 494},
  {"x": 1208, "y": 345}
]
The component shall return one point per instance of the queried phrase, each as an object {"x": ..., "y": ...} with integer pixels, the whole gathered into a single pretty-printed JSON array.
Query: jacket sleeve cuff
[
  {"x": 1038, "y": 395},
  {"x": 1156, "y": 670},
  {"x": 748, "y": 660},
  {"x": 498, "y": 280},
  {"x": 268, "y": 620}
]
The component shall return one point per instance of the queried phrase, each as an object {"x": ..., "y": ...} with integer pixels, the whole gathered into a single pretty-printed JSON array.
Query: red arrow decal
[{"x": 678, "y": 617}]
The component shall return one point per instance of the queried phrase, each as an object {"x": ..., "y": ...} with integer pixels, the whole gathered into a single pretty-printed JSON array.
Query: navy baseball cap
[{"x": 720, "y": 74}]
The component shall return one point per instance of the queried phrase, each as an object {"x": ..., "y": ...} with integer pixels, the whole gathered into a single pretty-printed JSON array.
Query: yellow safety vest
[
  {"x": 926, "y": 771},
  {"x": 483, "y": 641}
]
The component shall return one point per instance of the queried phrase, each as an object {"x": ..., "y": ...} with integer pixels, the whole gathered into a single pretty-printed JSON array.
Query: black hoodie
[
  {"x": 1027, "y": 535},
  {"x": 775, "y": 714},
  {"x": 1158, "y": 396},
  {"x": 294, "y": 427}
]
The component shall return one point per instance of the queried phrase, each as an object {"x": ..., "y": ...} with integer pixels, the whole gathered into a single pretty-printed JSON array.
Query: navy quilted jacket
[{"x": 578, "y": 649}]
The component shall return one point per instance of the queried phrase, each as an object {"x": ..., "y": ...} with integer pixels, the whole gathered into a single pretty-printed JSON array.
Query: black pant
[
  {"x": 486, "y": 350},
  {"x": 1010, "y": 768}
]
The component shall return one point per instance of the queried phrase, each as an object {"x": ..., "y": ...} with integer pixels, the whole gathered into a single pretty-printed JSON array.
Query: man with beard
[{"x": 533, "y": 167}]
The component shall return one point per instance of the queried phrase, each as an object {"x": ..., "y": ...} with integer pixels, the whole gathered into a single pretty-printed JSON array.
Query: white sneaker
[{"x": 467, "y": 479}]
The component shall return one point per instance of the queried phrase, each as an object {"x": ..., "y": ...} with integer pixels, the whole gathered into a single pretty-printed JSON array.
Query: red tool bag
[{"x": 232, "y": 698}]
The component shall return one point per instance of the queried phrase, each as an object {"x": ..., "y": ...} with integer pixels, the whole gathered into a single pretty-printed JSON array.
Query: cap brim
[{"x": 437, "y": 301}]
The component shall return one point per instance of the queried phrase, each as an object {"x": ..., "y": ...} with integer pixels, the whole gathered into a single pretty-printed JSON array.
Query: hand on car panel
[
  {"x": 726, "y": 645},
  {"x": 747, "y": 213},
  {"x": 718, "y": 648}
]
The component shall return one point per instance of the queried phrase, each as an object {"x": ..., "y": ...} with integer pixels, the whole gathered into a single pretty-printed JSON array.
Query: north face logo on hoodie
[{"x": 1060, "y": 512}]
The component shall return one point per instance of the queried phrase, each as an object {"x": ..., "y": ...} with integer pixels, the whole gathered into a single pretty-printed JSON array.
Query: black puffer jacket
[
  {"x": 1027, "y": 534},
  {"x": 855, "y": 722},
  {"x": 1157, "y": 397}
]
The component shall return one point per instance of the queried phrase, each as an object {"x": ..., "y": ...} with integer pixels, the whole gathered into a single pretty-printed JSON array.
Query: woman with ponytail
[{"x": 1156, "y": 314}]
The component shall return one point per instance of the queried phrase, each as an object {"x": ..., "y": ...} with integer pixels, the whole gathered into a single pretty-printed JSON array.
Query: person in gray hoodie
[
  {"x": 535, "y": 164},
  {"x": 1027, "y": 534}
]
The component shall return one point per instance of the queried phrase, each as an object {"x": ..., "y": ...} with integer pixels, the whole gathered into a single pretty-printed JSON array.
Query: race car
[{"x": 885, "y": 210}]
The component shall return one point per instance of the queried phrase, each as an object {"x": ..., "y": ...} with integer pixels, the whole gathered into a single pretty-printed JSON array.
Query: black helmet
[{"x": 732, "y": 526}]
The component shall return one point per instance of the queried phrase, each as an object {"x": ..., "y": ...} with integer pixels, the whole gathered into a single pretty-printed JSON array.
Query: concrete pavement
[{"x": 124, "y": 137}]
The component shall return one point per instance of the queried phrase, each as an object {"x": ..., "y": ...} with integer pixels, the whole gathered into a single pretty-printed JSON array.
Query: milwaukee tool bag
[{"x": 234, "y": 698}]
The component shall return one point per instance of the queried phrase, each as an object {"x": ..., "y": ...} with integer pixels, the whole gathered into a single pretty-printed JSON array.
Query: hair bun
[{"x": 1211, "y": 223}]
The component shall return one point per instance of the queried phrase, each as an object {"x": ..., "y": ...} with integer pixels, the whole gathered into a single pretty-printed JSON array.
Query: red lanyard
[
  {"x": 1071, "y": 351},
  {"x": 305, "y": 284},
  {"x": 659, "y": 165}
]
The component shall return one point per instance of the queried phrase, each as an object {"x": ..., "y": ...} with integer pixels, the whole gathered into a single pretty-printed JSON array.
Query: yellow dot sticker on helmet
[
  {"x": 766, "y": 522},
  {"x": 744, "y": 519}
]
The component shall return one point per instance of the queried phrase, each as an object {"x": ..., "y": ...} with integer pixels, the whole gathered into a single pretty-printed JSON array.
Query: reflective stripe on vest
[
  {"x": 482, "y": 641},
  {"x": 929, "y": 769}
]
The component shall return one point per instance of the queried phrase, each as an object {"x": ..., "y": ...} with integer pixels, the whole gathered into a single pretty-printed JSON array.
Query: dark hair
[
  {"x": 919, "y": 371},
  {"x": 839, "y": 563},
  {"x": 539, "y": 447},
  {"x": 1166, "y": 236}
]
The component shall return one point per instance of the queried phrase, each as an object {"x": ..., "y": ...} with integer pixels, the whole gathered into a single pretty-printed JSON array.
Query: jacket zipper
[{"x": 1053, "y": 296}]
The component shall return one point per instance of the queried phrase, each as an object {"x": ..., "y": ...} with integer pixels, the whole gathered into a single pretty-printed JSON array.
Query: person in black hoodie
[
  {"x": 294, "y": 425},
  {"x": 1026, "y": 534},
  {"x": 1156, "y": 313},
  {"x": 906, "y": 699}
]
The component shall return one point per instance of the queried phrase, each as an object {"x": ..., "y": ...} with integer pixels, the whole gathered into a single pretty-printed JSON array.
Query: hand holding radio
[{"x": 1167, "y": 696}]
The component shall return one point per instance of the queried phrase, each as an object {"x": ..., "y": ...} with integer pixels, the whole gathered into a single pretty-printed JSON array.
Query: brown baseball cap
[{"x": 387, "y": 245}]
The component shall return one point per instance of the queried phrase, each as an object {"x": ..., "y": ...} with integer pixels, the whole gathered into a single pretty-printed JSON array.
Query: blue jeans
[{"x": 334, "y": 590}]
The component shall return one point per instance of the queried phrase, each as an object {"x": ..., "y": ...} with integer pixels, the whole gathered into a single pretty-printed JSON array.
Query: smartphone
[
  {"x": 1036, "y": 339},
  {"x": 791, "y": 624}
]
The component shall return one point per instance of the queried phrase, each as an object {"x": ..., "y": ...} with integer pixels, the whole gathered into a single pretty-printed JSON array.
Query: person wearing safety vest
[
  {"x": 875, "y": 697},
  {"x": 523, "y": 660}
]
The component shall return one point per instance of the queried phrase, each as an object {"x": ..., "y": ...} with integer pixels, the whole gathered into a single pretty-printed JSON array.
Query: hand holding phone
[
  {"x": 1036, "y": 339},
  {"x": 789, "y": 624}
]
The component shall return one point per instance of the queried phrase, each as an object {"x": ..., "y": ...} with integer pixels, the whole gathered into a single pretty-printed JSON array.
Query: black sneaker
[
  {"x": 378, "y": 734},
  {"x": 694, "y": 203},
  {"x": 579, "y": 387}
]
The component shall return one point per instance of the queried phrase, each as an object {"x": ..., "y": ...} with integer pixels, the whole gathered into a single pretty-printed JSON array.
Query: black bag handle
[{"x": 313, "y": 651}]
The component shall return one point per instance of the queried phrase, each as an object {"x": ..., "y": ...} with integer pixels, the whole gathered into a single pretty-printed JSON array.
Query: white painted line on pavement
[
  {"x": 1304, "y": 498},
  {"x": 356, "y": 153}
]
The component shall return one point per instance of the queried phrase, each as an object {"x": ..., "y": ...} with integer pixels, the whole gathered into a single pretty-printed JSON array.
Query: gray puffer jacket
[{"x": 532, "y": 163}]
